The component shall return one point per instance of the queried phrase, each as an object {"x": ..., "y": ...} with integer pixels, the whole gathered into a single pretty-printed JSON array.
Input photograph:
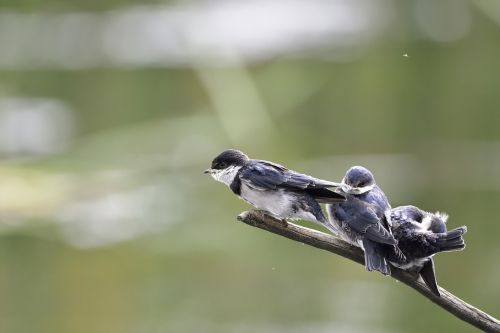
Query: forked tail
[{"x": 452, "y": 240}]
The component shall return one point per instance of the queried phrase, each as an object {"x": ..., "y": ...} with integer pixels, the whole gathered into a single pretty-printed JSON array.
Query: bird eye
[{"x": 222, "y": 165}]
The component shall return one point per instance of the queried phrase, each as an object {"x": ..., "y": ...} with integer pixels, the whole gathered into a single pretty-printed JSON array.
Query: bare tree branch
[{"x": 447, "y": 301}]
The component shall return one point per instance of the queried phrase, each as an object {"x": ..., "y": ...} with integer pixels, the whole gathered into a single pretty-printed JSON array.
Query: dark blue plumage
[
  {"x": 420, "y": 235},
  {"x": 283, "y": 193},
  {"x": 361, "y": 218},
  {"x": 265, "y": 176}
]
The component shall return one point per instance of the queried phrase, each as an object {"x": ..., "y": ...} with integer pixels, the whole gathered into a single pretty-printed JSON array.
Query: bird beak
[
  {"x": 208, "y": 171},
  {"x": 346, "y": 188}
]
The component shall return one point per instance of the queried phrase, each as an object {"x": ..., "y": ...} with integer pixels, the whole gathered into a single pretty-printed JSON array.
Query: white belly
[{"x": 276, "y": 203}]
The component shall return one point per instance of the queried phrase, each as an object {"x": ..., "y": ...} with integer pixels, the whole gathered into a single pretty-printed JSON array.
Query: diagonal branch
[{"x": 447, "y": 301}]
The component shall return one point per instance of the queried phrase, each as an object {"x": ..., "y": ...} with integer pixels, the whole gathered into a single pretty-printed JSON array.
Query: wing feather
[
  {"x": 362, "y": 218},
  {"x": 263, "y": 175}
]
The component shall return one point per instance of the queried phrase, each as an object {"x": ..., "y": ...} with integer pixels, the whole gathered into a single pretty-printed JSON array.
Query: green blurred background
[{"x": 110, "y": 110}]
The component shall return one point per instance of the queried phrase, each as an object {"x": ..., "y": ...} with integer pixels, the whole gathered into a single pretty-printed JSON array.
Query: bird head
[
  {"x": 226, "y": 164},
  {"x": 357, "y": 180}
]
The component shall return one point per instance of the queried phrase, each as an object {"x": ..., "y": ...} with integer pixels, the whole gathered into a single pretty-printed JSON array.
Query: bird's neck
[{"x": 227, "y": 175}]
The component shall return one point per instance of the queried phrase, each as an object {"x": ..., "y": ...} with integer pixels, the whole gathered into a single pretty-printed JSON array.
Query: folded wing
[
  {"x": 263, "y": 175},
  {"x": 362, "y": 218}
]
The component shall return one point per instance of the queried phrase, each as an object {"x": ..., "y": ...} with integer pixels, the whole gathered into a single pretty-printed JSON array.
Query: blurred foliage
[{"x": 121, "y": 232}]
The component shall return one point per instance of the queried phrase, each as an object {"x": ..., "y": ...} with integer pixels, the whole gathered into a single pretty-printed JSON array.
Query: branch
[{"x": 320, "y": 240}]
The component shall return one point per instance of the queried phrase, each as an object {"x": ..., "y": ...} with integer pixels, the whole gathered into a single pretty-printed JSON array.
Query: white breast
[
  {"x": 227, "y": 175},
  {"x": 276, "y": 202}
]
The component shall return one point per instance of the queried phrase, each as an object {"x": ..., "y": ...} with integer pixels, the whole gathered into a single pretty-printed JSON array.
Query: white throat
[
  {"x": 356, "y": 190},
  {"x": 226, "y": 175},
  {"x": 426, "y": 222}
]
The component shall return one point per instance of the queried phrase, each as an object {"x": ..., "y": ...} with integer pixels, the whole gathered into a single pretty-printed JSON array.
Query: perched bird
[
  {"x": 420, "y": 235},
  {"x": 283, "y": 193},
  {"x": 361, "y": 219}
]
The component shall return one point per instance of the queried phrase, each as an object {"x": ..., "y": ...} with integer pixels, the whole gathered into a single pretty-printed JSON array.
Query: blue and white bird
[
  {"x": 362, "y": 218},
  {"x": 283, "y": 193},
  {"x": 420, "y": 235}
]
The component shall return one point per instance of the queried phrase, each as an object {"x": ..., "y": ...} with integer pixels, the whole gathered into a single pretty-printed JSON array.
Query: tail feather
[
  {"x": 455, "y": 233},
  {"x": 331, "y": 226},
  {"x": 452, "y": 240},
  {"x": 429, "y": 276},
  {"x": 374, "y": 261},
  {"x": 455, "y": 242},
  {"x": 324, "y": 195},
  {"x": 453, "y": 247}
]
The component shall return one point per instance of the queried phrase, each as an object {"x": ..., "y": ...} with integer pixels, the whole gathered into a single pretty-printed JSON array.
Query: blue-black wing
[
  {"x": 375, "y": 257},
  {"x": 429, "y": 277},
  {"x": 264, "y": 175},
  {"x": 406, "y": 214},
  {"x": 267, "y": 175},
  {"x": 363, "y": 219},
  {"x": 379, "y": 205}
]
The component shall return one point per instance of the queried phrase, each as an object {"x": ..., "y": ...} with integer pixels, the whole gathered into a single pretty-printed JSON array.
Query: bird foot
[{"x": 283, "y": 222}]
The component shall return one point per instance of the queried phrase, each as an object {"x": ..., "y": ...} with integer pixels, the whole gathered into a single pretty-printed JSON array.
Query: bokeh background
[{"x": 110, "y": 110}]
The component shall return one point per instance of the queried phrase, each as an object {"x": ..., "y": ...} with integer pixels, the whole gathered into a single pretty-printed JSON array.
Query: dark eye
[
  {"x": 361, "y": 184},
  {"x": 222, "y": 165}
]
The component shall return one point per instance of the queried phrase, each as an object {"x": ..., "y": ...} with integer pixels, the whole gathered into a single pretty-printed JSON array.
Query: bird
[
  {"x": 420, "y": 236},
  {"x": 362, "y": 218},
  {"x": 282, "y": 193}
]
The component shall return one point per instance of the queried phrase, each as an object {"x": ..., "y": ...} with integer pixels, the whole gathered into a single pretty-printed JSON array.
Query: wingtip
[
  {"x": 384, "y": 269},
  {"x": 428, "y": 275},
  {"x": 375, "y": 262}
]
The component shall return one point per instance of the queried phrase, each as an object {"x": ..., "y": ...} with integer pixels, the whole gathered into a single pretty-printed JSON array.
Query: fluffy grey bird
[
  {"x": 283, "y": 193},
  {"x": 361, "y": 219},
  {"x": 420, "y": 235}
]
